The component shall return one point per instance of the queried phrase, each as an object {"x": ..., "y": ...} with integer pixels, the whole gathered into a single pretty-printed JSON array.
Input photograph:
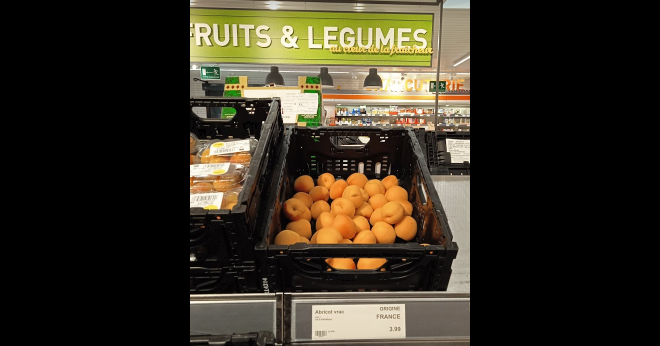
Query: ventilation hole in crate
[
  {"x": 361, "y": 167},
  {"x": 369, "y": 161},
  {"x": 345, "y": 161},
  {"x": 345, "y": 169},
  {"x": 377, "y": 170},
  {"x": 345, "y": 165}
]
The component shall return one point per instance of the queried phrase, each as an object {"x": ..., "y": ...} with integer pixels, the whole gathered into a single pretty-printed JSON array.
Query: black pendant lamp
[
  {"x": 373, "y": 79},
  {"x": 326, "y": 78},
  {"x": 274, "y": 77}
]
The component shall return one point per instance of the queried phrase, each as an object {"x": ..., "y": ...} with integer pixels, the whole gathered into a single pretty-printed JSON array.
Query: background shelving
[{"x": 449, "y": 118}]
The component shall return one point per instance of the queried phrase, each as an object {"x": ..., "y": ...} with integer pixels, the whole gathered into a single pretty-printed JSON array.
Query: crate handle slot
[{"x": 350, "y": 142}]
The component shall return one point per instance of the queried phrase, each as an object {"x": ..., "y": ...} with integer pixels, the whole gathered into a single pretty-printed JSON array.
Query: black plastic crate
[
  {"x": 410, "y": 267},
  {"x": 421, "y": 137},
  {"x": 439, "y": 159},
  {"x": 224, "y": 238},
  {"x": 263, "y": 338},
  {"x": 229, "y": 279}
]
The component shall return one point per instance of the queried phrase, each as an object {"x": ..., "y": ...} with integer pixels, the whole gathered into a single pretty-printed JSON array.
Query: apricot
[
  {"x": 406, "y": 229},
  {"x": 357, "y": 179},
  {"x": 304, "y": 240},
  {"x": 337, "y": 188},
  {"x": 305, "y": 198},
  {"x": 343, "y": 206},
  {"x": 345, "y": 241},
  {"x": 389, "y": 181},
  {"x": 361, "y": 223},
  {"x": 374, "y": 187},
  {"x": 345, "y": 226},
  {"x": 341, "y": 263},
  {"x": 395, "y": 193},
  {"x": 295, "y": 209},
  {"x": 392, "y": 212},
  {"x": 287, "y": 237},
  {"x": 307, "y": 215},
  {"x": 378, "y": 200},
  {"x": 318, "y": 207},
  {"x": 376, "y": 216},
  {"x": 365, "y": 237},
  {"x": 365, "y": 195},
  {"x": 324, "y": 220},
  {"x": 303, "y": 227},
  {"x": 326, "y": 180},
  {"x": 364, "y": 210},
  {"x": 328, "y": 235},
  {"x": 313, "y": 239},
  {"x": 407, "y": 207},
  {"x": 353, "y": 194},
  {"x": 192, "y": 159},
  {"x": 384, "y": 233},
  {"x": 370, "y": 263},
  {"x": 319, "y": 193},
  {"x": 303, "y": 183}
]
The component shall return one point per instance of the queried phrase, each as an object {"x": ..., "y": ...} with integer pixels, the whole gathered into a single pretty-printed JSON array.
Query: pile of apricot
[{"x": 357, "y": 210}]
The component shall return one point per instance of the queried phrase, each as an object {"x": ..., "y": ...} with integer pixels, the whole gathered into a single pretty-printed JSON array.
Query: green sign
[
  {"x": 443, "y": 86},
  {"x": 314, "y": 38},
  {"x": 210, "y": 72}
]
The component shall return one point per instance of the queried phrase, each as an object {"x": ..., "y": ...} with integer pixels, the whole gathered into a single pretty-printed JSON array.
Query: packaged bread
[
  {"x": 238, "y": 151},
  {"x": 216, "y": 177}
]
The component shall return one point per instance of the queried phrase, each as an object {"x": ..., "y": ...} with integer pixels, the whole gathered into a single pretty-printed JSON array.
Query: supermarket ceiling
[{"x": 455, "y": 39}]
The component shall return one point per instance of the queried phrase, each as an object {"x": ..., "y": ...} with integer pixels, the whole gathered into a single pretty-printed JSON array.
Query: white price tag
[
  {"x": 204, "y": 169},
  {"x": 220, "y": 148},
  {"x": 459, "y": 149},
  {"x": 368, "y": 321},
  {"x": 206, "y": 200}
]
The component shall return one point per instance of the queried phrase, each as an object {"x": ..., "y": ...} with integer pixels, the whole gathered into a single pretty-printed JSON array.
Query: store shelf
[
  {"x": 224, "y": 314},
  {"x": 423, "y": 317}
]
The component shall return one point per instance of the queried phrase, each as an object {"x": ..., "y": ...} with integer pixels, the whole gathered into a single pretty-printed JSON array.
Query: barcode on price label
[
  {"x": 220, "y": 148},
  {"x": 361, "y": 321},
  {"x": 206, "y": 200}
]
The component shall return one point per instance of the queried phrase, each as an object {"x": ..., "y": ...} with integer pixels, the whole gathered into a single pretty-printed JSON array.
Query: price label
[
  {"x": 364, "y": 321},
  {"x": 220, "y": 148},
  {"x": 459, "y": 149}
]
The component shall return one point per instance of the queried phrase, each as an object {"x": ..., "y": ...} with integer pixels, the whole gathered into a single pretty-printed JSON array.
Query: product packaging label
[
  {"x": 206, "y": 200},
  {"x": 367, "y": 321},
  {"x": 222, "y": 148},
  {"x": 205, "y": 169}
]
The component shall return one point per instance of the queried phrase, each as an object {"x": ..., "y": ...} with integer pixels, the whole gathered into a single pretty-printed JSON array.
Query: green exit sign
[
  {"x": 210, "y": 72},
  {"x": 443, "y": 86}
]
